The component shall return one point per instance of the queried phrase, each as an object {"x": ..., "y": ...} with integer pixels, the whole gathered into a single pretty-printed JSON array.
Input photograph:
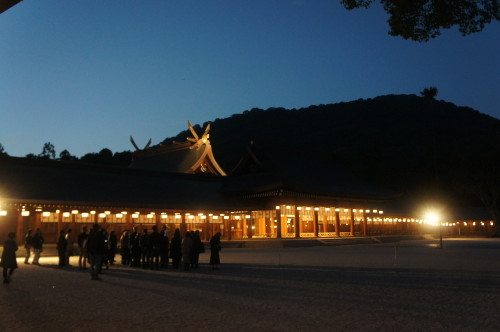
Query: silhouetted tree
[
  {"x": 48, "y": 151},
  {"x": 424, "y": 19},
  {"x": 429, "y": 93},
  {"x": 2, "y": 151},
  {"x": 66, "y": 156}
]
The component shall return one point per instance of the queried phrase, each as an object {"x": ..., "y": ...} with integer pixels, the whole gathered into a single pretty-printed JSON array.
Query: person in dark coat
[
  {"x": 215, "y": 247},
  {"x": 28, "y": 245},
  {"x": 187, "y": 247},
  {"x": 38, "y": 241},
  {"x": 61, "y": 248},
  {"x": 176, "y": 249},
  {"x": 154, "y": 245},
  {"x": 9, "y": 262},
  {"x": 164, "y": 244},
  {"x": 125, "y": 247},
  {"x": 135, "y": 248},
  {"x": 112, "y": 246},
  {"x": 145, "y": 248},
  {"x": 97, "y": 250},
  {"x": 82, "y": 248},
  {"x": 197, "y": 249}
]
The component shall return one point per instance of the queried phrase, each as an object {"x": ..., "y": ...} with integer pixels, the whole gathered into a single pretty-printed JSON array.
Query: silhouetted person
[
  {"x": 112, "y": 246},
  {"x": 164, "y": 245},
  {"x": 145, "y": 252},
  {"x": 197, "y": 249},
  {"x": 97, "y": 250},
  {"x": 38, "y": 241},
  {"x": 9, "y": 262},
  {"x": 187, "y": 247},
  {"x": 125, "y": 247},
  {"x": 154, "y": 245},
  {"x": 69, "y": 245},
  {"x": 135, "y": 248},
  {"x": 82, "y": 248},
  {"x": 28, "y": 245},
  {"x": 215, "y": 248},
  {"x": 61, "y": 248},
  {"x": 176, "y": 249}
]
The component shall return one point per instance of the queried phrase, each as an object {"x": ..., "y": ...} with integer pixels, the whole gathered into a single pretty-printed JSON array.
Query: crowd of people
[{"x": 149, "y": 250}]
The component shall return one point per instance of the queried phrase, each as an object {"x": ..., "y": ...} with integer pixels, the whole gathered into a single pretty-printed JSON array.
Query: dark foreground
[{"x": 406, "y": 286}]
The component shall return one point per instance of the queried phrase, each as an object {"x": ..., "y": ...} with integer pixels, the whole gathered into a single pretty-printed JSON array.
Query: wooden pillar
[
  {"x": 365, "y": 224},
  {"x": 337, "y": 223},
  {"x": 297, "y": 222},
  {"x": 316, "y": 223},
  {"x": 205, "y": 231},
  {"x": 19, "y": 228},
  {"x": 351, "y": 222},
  {"x": 183, "y": 224},
  {"x": 278, "y": 223}
]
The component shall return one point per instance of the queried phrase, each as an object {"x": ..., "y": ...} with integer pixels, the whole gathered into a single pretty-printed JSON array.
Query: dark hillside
[{"x": 402, "y": 142}]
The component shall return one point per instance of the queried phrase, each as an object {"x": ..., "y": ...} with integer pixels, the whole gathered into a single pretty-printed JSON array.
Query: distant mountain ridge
[{"x": 403, "y": 142}]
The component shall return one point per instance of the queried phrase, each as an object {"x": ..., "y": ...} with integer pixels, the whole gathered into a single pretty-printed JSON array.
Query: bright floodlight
[{"x": 432, "y": 218}]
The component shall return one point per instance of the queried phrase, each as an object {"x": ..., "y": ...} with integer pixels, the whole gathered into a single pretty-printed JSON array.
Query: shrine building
[{"x": 267, "y": 195}]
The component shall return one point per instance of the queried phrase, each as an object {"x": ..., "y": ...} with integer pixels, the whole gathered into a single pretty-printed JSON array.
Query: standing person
[
  {"x": 61, "y": 248},
  {"x": 9, "y": 262},
  {"x": 164, "y": 247},
  {"x": 125, "y": 247},
  {"x": 145, "y": 252},
  {"x": 96, "y": 249},
  {"x": 154, "y": 244},
  {"x": 176, "y": 249},
  {"x": 38, "y": 241},
  {"x": 187, "y": 247},
  {"x": 197, "y": 249},
  {"x": 69, "y": 245},
  {"x": 135, "y": 248},
  {"x": 28, "y": 245},
  {"x": 215, "y": 247},
  {"x": 82, "y": 246},
  {"x": 112, "y": 245}
]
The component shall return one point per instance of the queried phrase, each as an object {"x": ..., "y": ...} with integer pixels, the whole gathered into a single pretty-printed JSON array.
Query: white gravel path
[{"x": 409, "y": 286}]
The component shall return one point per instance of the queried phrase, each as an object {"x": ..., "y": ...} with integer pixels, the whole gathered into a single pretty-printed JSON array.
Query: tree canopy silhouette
[{"x": 421, "y": 20}]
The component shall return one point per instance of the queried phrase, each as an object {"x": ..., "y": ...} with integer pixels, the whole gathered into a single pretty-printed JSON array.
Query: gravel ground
[{"x": 408, "y": 286}]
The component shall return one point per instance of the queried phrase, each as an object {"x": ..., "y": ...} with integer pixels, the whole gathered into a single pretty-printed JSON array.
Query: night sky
[{"x": 85, "y": 75}]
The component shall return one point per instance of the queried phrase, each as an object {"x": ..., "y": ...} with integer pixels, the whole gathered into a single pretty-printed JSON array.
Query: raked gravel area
[{"x": 404, "y": 286}]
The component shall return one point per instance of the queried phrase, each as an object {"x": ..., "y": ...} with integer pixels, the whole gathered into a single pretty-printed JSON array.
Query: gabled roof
[
  {"x": 57, "y": 182},
  {"x": 262, "y": 171},
  {"x": 191, "y": 157}
]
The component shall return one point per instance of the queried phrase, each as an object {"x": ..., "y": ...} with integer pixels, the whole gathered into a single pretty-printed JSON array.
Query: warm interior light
[
  {"x": 164, "y": 216},
  {"x": 85, "y": 215},
  {"x": 74, "y": 211},
  {"x": 92, "y": 212},
  {"x": 150, "y": 216},
  {"x": 25, "y": 213},
  {"x": 3, "y": 213},
  {"x": 107, "y": 212},
  {"x": 247, "y": 216},
  {"x": 102, "y": 215},
  {"x": 66, "y": 214},
  {"x": 124, "y": 212},
  {"x": 46, "y": 214},
  {"x": 178, "y": 216},
  {"x": 119, "y": 215},
  {"x": 135, "y": 215},
  {"x": 215, "y": 217}
]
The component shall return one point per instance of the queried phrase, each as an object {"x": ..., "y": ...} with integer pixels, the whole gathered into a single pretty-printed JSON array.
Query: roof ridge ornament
[
  {"x": 196, "y": 140},
  {"x": 136, "y": 147}
]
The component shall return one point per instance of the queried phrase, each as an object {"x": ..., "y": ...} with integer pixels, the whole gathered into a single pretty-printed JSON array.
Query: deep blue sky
[{"x": 85, "y": 75}]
